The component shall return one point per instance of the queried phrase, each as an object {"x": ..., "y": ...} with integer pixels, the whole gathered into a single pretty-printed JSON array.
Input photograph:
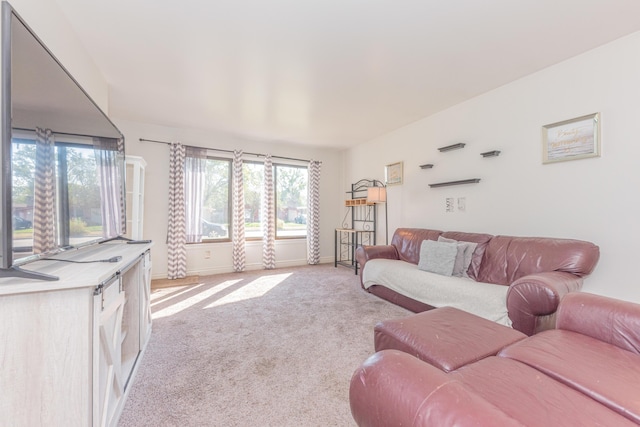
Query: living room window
[
  {"x": 216, "y": 200},
  {"x": 253, "y": 179},
  {"x": 77, "y": 198},
  {"x": 290, "y": 200}
]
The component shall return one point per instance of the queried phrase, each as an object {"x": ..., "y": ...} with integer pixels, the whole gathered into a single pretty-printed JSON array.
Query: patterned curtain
[
  {"x": 110, "y": 179},
  {"x": 313, "y": 213},
  {"x": 268, "y": 218},
  {"x": 121, "y": 164},
  {"x": 238, "y": 214},
  {"x": 176, "y": 233},
  {"x": 44, "y": 200},
  {"x": 194, "y": 184}
]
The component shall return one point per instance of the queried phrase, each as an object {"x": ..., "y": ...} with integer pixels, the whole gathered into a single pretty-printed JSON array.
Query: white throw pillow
[{"x": 438, "y": 257}]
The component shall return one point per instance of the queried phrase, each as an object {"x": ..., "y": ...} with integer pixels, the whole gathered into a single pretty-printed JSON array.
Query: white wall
[
  {"x": 592, "y": 199},
  {"x": 288, "y": 252}
]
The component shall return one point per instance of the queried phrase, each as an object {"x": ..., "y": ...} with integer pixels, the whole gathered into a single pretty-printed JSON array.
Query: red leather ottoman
[{"x": 446, "y": 337}]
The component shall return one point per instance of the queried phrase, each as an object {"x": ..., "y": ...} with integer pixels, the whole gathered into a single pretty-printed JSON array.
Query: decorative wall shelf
[
  {"x": 452, "y": 147},
  {"x": 426, "y": 166},
  {"x": 493, "y": 153},
  {"x": 464, "y": 181}
]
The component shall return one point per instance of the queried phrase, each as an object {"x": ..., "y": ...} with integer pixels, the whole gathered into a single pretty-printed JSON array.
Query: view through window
[
  {"x": 77, "y": 195},
  {"x": 291, "y": 184}
]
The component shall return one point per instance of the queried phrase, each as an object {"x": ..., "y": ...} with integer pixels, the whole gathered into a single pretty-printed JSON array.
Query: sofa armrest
[
  {"x": 393, "y": 388},
  {"x": 365, "y": 253},
  {"x": 606, "y": 319},
  {"x": 533, "y": 300}
]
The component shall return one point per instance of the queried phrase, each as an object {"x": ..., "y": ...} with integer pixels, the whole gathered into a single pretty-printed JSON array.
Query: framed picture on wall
[
  {"x": 393, "y": 174},
  {"x": 572, "y": 139}
]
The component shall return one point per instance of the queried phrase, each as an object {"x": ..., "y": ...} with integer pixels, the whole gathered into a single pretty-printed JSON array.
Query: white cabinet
[
  {"x": 135, "y": 196},
  {"x": 69, "y": 349}
]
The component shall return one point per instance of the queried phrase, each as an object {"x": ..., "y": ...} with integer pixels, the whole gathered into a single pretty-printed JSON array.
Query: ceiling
[{"x": 331, "y": 73}]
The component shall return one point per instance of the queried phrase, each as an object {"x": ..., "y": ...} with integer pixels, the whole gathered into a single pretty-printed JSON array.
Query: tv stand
[{"x": 70, "y": 348}]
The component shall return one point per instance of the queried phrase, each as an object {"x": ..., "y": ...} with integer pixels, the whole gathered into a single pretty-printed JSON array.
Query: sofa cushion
[
  {"x": 606, "y": 319},
  {"x": 602, "y": 371},
  {"x": 507, "y": 259},
  {"x": 533, "y": 398},
  {"x": 438, "y": 257},
  {"x": 408, "y": 241}
]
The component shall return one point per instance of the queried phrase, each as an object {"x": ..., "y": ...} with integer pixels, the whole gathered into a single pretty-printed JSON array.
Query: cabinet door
[
  {"x": 45, "y": 358},
  {"x": 108, "y": 384}
]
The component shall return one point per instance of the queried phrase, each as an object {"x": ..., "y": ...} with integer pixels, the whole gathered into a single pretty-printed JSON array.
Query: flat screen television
[{"x": 62, "y": 184}]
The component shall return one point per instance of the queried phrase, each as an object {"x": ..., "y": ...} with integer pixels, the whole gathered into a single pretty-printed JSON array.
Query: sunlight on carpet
[
  {"x": 181, "y": 305},
  {"x": 254, "y": 289}
]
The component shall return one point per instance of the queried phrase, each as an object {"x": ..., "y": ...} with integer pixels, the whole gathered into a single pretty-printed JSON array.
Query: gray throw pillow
[
  {"x": 463, "y": 256},
  {"x": 468, "y": 256},
  {"x": 437, "y": 257}
]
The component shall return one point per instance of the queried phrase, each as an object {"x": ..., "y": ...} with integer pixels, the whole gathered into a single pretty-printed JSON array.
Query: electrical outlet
[{"x": 207, "y": 254}]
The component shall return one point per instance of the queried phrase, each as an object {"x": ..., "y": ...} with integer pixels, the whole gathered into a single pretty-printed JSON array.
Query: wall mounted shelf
[
  {"x": 426, "y": 166},
  {"x": 493, "y": 153},
  {"x": 464, "y": 181},
  {"x": 452, "y": 147}
]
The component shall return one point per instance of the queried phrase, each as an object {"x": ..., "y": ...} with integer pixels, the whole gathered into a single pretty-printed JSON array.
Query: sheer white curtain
[
  {"x": 313, "y": 213},
  {"x": 237, "y": 234},
  {"x": 109, "y": 164},
  {"x": 268, "y": 217},
  {"x": 44, "y": 200},
  {"x": 194, "y": 173},
  {"x": 176, "y": 230}
]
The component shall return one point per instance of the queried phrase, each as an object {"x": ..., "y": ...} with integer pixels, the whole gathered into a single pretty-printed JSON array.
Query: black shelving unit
[{"x": 359, "y": 225}]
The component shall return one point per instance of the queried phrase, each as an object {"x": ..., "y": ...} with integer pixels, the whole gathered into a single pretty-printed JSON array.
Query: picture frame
[
  {"x": 393, "y": 174},
  {"x": 572, "y": 139}
]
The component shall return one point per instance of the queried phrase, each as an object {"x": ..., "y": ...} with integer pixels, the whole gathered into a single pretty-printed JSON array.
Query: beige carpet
[{"x": 261, "y": 348}]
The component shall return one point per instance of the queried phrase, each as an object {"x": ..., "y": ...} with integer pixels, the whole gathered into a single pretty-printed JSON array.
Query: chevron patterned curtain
[
  {"x": 44, "y": 199},
  {"x": 176, "y": 233},
  {"x": 268, "y": 218},
  {"x": 313, "y": 213},
  {"x": 123, "y": 207},
  {"x": 238, "y": 213},
  {"x": 109, "y": 177}
]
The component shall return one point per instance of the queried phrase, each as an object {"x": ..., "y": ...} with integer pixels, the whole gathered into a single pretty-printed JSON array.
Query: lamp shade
[{"x": 376, "y": 195}]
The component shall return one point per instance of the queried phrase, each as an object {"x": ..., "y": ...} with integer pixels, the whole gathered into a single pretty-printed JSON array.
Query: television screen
[{"x": 63, "y": 171}]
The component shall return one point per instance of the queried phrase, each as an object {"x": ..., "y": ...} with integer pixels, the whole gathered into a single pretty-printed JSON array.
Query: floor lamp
[{"x": 379, "y": 195}]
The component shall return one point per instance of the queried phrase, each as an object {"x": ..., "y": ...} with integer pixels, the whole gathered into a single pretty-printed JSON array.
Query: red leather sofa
[
  {"x": 584, "y": 373},
  {"x": 538, "y": 271}
]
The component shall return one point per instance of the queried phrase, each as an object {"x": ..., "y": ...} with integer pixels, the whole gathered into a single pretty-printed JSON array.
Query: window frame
[
  {"x": 229, "y": 203},
  {"x": 275, "y": 196},
  {"x": 275, "y": 166},
  {"x": 61, "y": 197}
]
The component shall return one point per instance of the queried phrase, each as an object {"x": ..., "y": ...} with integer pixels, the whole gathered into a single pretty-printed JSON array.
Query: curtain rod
[
  {"x": 225, "y": 151},
  {"x": 67, "y": 133}
]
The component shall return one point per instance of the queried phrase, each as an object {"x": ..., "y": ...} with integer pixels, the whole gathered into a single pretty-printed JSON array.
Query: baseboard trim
[{"x": 229, "y": 269}]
